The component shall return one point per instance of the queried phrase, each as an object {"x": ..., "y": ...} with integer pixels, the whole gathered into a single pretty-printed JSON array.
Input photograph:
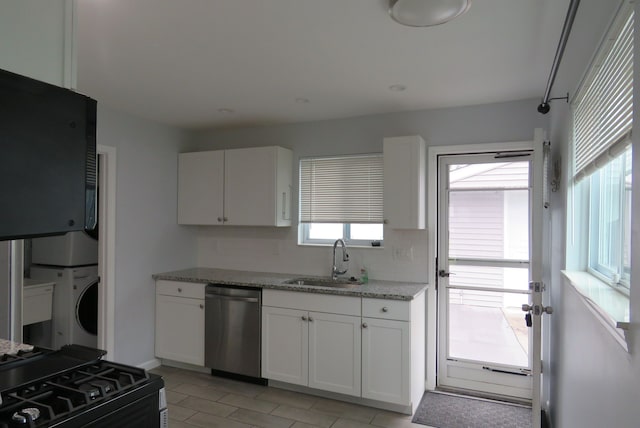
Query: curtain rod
[{"x": 566, "y": 30}]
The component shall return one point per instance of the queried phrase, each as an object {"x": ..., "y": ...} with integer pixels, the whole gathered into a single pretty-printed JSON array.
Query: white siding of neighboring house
[
  {"x": 476, "y": 231},
  {"x": 484, "y": 224}
]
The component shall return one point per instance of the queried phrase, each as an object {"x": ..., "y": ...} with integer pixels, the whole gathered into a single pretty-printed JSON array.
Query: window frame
[
  {"x": 594, "y": 265},
  {"x": 346, "y": 236},
  {"x": 583, "y": 209}
]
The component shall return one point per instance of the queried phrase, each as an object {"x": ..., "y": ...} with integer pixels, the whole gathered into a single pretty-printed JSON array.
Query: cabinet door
[
  {"x": 334, "y": 353},
  {"x": 201, "y": 187},
  {"x": 250, "y": 192},
  {"x": 180, "y": 329},
  {"x": 386, "y": 359},
  {"x": 285, "y": 338},
  {"x": 404, "y": 182}
]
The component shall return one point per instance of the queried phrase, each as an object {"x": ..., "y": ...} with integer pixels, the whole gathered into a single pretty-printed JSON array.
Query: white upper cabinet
[
  {"x": 404, "y": 182},
  {"x": 239, "y": 187},
  {"x": 201, "y": 187},
  {"x": 258, "y": 186}
]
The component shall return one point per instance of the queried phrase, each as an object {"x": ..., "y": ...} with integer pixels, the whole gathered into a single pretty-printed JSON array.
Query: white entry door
[{"x": 485, "y": 247}]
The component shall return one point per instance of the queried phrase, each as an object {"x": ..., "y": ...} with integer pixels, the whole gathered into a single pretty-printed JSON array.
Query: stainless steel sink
[{"x": 324, "y": 282}]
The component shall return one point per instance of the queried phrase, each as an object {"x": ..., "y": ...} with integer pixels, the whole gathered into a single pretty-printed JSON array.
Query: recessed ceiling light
[
  {"x": 302, "y": 100},
  {"x": 397, "y": 88},
  {"x": 226, "y": 110}
]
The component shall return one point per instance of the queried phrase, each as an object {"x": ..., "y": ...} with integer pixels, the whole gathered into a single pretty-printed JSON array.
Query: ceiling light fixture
[
  {"x": 425, "y": 13},
  {"x": 226, "y": 110}
]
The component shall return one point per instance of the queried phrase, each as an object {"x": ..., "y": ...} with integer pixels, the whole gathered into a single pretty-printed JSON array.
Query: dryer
[
  {"x": 70, "y": 249},
  {"x": 75, "y": 303}
]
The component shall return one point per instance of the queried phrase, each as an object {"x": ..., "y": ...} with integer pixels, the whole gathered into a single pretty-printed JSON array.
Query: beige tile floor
[{"x": 201, "y": 400}]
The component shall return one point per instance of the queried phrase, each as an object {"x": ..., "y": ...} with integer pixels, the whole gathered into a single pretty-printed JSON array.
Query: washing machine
[{"x": 75, "y": 303}]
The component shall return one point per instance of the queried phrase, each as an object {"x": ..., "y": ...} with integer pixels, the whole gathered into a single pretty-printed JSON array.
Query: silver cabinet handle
[
  {"x": 201, "y": 306},
  {"x": 304, "y": 318},
  {"x": 219, "y": 219},
  {"x": 385, "y": 309},
  {"x": 365, "y": 325},
  {"x": 284, "y": 205},
  {"x": 310, "y": 319},
  {"x": 233, "y": 298},
  {"x": 225, "y": 219},
  {"x": 179, "y": 290}
]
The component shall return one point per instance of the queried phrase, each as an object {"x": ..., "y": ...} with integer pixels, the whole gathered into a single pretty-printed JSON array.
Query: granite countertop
[
  {"x": 9, "y": 347},
  {"x": 374, "y": 288}
]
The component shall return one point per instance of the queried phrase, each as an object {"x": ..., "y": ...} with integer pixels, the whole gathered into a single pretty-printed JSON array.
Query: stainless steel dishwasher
[{"x": 233, "y": 330}]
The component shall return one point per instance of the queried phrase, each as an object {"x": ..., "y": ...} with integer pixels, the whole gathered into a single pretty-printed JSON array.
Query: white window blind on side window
[
  {"x": 603, "y": 111},
  {"x": 345, "y": 189}
]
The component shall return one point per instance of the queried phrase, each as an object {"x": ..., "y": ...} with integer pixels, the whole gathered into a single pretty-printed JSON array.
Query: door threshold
[{"x": 483, "y": 396}]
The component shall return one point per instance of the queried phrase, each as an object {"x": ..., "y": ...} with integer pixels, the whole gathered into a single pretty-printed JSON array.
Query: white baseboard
[
  {"x": 398, "y": 408},
  {"x": 186, "y": 366},
  {"x": 151, "y": 364}
]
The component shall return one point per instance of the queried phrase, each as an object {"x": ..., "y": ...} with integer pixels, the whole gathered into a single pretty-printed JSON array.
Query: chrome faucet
[{"x": 345, "y": 258}]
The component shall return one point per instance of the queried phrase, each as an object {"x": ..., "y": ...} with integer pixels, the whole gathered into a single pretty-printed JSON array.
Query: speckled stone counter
[
  {"x": 374, "y": 289},
  {"x": 9, "y": 347}
]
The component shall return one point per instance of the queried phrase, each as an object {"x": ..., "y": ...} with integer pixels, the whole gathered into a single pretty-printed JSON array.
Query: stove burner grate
[{"x": 60, "y": 395}]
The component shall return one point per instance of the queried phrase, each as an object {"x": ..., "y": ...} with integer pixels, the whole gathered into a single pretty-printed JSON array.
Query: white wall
[
  {"x": 33, "y": 39},
  {"x": 276, "y": 250},
  {"x": 148, "y": 238},
  {"x": 595, "y": 383}
]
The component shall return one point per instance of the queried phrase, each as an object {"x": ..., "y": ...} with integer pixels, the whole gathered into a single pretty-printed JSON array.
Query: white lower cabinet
[
  {"x": 180, "y": 322},
  {"x": 285, "y": 350},
  {"x": 334, "y": 352},
  {"x": 386, "y": 360},
  {"x": 370, "y": 348},
  {"x": 393, "y": 350},
  {"x": 304, "y": 345}
]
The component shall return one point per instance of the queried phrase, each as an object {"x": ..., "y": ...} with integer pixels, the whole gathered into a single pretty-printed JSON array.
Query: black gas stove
[{"x": 74, "y": 387}]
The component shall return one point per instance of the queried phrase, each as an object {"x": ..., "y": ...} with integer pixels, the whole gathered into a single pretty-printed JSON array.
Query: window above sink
[
  {"x": 341, "y": 197},
  {"x": 354, "y": 234}
]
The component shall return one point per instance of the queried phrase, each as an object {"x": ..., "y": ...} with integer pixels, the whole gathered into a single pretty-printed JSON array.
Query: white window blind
[
  {"x": 603, "y": 111},
  {"x": 345, "y": 189}
]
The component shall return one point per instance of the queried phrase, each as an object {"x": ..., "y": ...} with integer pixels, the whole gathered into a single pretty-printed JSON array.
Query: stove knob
[
  {"x": 26, "y": 415},
  {"x": 17, "y": 417}
]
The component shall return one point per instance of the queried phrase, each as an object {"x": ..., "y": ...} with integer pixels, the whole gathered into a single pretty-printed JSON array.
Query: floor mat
[{"x": 451, "y": 411}]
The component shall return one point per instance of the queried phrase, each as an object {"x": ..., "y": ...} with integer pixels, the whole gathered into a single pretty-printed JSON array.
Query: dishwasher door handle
[{"x": 237, "y": 299}]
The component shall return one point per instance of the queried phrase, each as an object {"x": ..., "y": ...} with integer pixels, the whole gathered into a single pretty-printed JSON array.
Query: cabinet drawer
[
  {"x": 386, "y": 309},
  {"x": 181, "y": 289},
  {"x": 333, "y": 304}
]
